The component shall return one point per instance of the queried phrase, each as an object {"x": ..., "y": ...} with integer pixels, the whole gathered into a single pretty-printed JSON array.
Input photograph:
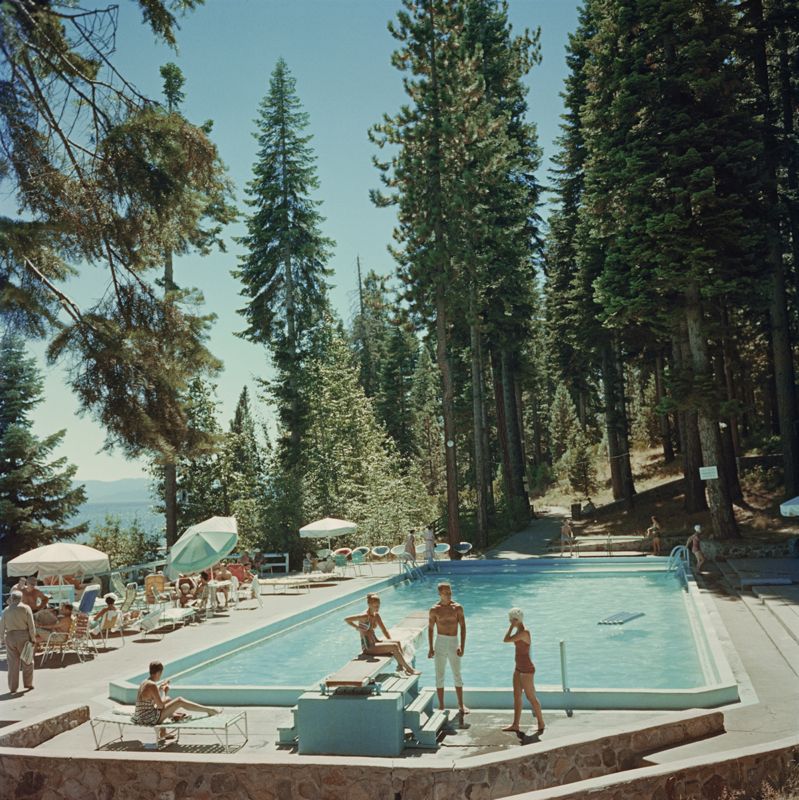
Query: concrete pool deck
[{"x": 762, "y": 653}]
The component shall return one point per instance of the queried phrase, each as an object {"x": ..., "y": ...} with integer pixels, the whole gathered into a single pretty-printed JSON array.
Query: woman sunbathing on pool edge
[{"x": 367, "y": 625}]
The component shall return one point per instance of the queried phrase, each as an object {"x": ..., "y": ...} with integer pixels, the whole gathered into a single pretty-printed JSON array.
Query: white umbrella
[
  {"x": 203, "y": 545},
  {"x": 327, "y": 528},
  {"x": 60, "y": 558},
  {"x": 790, "y": 508}
]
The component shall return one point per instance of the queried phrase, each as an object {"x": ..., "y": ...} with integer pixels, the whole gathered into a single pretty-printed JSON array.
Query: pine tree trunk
[
  {"x": 690, "y": 446},
  {"x": 519, "y": 502},
  {"x": 477, "y": 415},
  {"x": 448, "y": 411},
  {"x": 729, "y": 385},
  {"x": 170, "y": 470},
  {"x": 171, "y": 503},
  {"x": 718, "y": 490},
  {"x": 787, "y": 102},
  {"x": 784, "y": 378},
  {"x": 488, "y": 463},
  {"x": 621, "y": 475},
  {"x": 665, "y": 426},
  {"x": 502, "y": 428},
  {"x": 517, "y": 394},
  {"x": 726, "y": 429}
]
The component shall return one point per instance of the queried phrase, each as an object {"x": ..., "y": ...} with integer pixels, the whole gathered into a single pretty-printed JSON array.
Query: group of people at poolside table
[{"x": 446, "y": 637}]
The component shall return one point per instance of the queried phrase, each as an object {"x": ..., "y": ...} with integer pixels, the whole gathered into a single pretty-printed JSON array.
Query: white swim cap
[
  {"x": 698, "y": 528},
  {"x": 516, "y": 615}
]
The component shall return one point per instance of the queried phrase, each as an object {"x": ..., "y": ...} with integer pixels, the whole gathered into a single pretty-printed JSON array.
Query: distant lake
[{"x": 95, "y": 514}]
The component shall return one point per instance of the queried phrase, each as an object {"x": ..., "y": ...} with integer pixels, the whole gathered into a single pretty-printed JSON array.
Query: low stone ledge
[
  {"x": 709, "y": 777},
  {"x": 32, "y": 732},
  {"x": 38, "y": 775}
]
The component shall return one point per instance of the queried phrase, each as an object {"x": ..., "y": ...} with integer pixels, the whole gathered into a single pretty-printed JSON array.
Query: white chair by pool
[
  {"x": 380, "y": 551},
  {"x": 398, "y": 551},
  {"x": 441, "y": 550},
  {"x": 464, "y": 548}
]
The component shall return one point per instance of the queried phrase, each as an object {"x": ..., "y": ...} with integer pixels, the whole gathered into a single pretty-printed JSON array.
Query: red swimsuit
[{"x": 523, "y": 663}]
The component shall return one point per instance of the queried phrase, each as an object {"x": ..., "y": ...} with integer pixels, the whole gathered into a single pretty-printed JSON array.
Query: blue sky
[{"x": 338, "y": 51}]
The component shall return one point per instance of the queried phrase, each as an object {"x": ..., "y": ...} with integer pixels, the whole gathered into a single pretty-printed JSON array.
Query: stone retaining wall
[
  {"x": 32, "y": 732},
  {"x": 47, "y": 775},
  {"x": 711, "y": 777}
]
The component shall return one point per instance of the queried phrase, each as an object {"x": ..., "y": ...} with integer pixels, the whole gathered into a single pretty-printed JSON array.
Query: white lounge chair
[
  {"x": 220, "y": 725},
  {"x": 150, "y": 622}
]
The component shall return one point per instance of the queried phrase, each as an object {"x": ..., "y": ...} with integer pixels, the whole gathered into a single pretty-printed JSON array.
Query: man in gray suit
[{"x": 18, "y": 629}]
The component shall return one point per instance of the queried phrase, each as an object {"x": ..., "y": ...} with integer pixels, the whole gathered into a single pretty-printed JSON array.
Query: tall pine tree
[
  {"x": 37, "y": 496},
  {"x": 284, "y": 269}
]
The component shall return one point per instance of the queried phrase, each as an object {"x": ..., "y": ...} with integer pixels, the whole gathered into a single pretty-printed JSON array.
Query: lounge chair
[
  {"x": 441, "y": 550},
  {"x": 178, "y": 616},
  {"x": 78, "y": 640},
  {"x": 156, "y": 590},
  {"x": 150, "y": 622},
  {"x": 343, "y": 564},
  {"x": 202, "y": 603},
  {"x": 464, "y": 548},
  {"x": 359, "y": 562},
  {"x": 381, "y": 551},
  {"x": 116, "y": 585},
  {"x": 363, "y": 549},
  {"x": 111, "y": 622},
  {"x": 220, "y": 725},
  {"x": 88, "y": 598}
]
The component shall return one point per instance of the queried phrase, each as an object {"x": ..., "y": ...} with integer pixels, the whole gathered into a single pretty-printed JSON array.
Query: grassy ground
[{"x": 760, "y": 518}]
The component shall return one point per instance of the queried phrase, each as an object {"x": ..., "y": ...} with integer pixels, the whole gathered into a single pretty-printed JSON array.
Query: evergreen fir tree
[
  {"x": 283, "y": 272},
  {"x": 577, "y": 465},
  {"x": 37, "y": 495},
  {"x": 428, "y": 431},
  {"x": 670, "y": 147},
  {"x": 351, "y": 468},
  {"x": 454, "y": 153},
  {"x": 370, "y": 329},
  {"x": 393, "y": 402},
  {"x": 563, "y": 423}
]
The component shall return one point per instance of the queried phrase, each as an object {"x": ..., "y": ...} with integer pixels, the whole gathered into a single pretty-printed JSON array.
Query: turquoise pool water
[{"x": 656, "y": 651}]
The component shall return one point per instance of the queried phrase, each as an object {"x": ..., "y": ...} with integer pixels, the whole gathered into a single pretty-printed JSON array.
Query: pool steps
[{"x": 361, "y": 709}]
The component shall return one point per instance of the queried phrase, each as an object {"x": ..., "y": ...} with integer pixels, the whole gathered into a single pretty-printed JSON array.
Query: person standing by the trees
[
  {"x": 567, "y": 536},
  {"x": 447, "y": 618},
  {"x": 695, "y": 543},
  {"x": 18, "y": 629}
]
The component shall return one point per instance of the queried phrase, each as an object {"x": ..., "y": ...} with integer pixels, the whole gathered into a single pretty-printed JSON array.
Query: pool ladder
[{"x": 680, "y": 562}]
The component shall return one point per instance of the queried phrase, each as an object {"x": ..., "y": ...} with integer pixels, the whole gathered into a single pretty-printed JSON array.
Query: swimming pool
[{"x": 669, "y": 657}]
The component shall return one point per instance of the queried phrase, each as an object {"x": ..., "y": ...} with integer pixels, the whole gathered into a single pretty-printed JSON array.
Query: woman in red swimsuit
[{"x": 524, "y": 672}]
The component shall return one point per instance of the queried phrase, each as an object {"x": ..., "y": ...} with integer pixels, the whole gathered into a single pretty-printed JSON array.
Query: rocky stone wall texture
[
  {"x": 708, "y": 778},
  {"x": 47, "y": 775},
  {"x": 32, "y": 732}
]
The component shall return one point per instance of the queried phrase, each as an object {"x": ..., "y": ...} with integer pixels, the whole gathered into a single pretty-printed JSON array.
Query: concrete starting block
[{"x": 365, "y": 709}]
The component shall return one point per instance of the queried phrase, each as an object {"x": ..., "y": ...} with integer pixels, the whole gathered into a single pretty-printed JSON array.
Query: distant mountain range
[
  {"x": 125, "y": 490},
  {"x": 127, "y": 499}
]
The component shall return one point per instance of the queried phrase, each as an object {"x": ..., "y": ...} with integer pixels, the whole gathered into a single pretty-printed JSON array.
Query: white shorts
[{"x": 446, "y": 649}]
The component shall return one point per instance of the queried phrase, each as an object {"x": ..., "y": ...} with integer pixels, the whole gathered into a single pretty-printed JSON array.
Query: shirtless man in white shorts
[{"x": 447, "y": 617}]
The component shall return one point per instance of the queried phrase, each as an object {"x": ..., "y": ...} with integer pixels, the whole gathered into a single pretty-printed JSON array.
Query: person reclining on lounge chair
[
  {"x": 153, "y": 705},
  {"x": 48, "y": 622},
  {"x": 367, "y": 625},
  {"x": 110, "y": 608}
]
